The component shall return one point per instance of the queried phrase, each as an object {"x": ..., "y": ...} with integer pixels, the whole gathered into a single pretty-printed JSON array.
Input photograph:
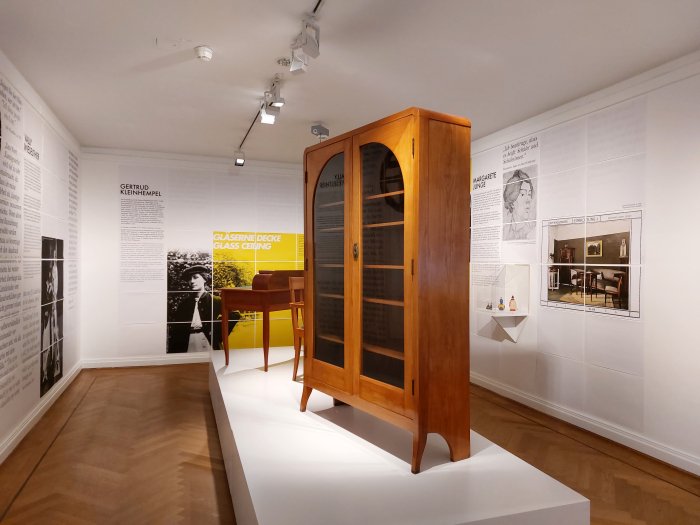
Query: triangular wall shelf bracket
[{"x": 511, "y": 322}]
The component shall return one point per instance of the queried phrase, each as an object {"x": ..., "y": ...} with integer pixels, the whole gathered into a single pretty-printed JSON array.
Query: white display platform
[{"x": 339, "y": 465}]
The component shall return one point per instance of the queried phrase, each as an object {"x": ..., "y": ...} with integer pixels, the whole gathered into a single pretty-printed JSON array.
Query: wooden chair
[
  {"x": 296, "y": 296},
  {"x": 614, "y": 290},
  {"x": 576, "y": 280}
]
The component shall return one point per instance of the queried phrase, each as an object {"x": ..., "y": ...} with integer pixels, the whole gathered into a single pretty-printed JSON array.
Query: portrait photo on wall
[
  {"x": 51, "y": 362},
  {"x": 520, "y": 204},
  {"x": 194, "y": 310},
  {"x": 594, "y": 248},
  {"x": 51, "y": 324},
  {"x": 51, "y": 248}
]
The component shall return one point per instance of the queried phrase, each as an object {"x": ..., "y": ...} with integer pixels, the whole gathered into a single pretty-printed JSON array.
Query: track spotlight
[
  {"x": 305, "y": 45},
  {"x": 239, "y": 158},
  {"x": 268, "y": 114},
  {"x": 300, "y": 62},
  {"x": 272, "y": 97},
  {"x": 310, "y": 34}
]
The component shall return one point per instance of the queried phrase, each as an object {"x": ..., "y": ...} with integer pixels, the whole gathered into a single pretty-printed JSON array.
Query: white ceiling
[{"x": 497, "y": 62}]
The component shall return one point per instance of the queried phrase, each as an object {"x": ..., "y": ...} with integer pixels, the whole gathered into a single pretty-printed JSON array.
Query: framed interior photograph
[{"x": 594, "y": 248}]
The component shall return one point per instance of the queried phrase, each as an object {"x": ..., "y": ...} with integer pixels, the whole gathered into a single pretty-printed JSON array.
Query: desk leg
[
  {"x": 266, "y": 335},
  {"x": 224, "y": 330}
]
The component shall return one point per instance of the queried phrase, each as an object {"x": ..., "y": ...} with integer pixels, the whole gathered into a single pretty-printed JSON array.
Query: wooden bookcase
[{"x": 387, "y": 281}]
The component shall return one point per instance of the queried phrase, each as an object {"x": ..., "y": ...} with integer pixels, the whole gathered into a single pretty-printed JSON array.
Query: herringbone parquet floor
[
  {"x": 134, "y": 446},
  {"x": 139, "y": 445},
  {"x": 624, "y": 487}
]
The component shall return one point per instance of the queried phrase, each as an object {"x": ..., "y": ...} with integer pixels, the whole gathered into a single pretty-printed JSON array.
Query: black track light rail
[{"x": 255, "y": 118}]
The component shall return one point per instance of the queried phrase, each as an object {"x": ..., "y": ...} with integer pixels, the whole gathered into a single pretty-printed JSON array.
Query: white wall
[
  {"x": 126, "y": 325},
  {"x": 632, "y": 380},
  {"x": 39, "y": 163}
]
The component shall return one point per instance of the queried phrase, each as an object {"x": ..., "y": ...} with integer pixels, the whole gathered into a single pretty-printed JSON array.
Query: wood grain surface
[{"x": 128, "y": 445}]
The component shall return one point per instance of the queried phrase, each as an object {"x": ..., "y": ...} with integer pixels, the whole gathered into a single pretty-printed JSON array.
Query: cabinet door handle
[{"x": 355, "y": 251}]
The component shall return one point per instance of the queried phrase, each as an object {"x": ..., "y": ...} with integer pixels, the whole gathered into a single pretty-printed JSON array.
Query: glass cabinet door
[
  {"x": 329, "y": 268},
  {"x": 382, "y": 343}
]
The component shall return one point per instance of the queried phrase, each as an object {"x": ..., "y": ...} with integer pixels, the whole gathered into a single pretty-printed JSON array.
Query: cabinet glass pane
[
  {"x": 382, "y": 368},
  {"x": 329, "y": 281},
  {"x": 382, "y": 325},
  {"x": 383, "y": 245},
  {"x": 329, "y": 289},
  {"x": 381, "y": 175},
  {"x": 329, "y": 317},
  {"x": 383, "y": 265},
  {"x": 382, "y": 209},
  {"x": 382, "y": 284},
  {"x": 329, "y": 351}
]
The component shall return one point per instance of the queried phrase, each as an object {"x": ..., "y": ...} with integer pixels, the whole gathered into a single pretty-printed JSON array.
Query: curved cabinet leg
[
  {"x": 459, "y": 446},
  {"x": 419, "y": 439},
  {"x": 305, "y": 397}
]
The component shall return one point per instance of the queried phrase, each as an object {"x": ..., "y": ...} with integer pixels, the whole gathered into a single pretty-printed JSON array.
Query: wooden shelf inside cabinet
[
  {"x": 383, "y": 351},
  {"x": 331, "y": 338},
  {"x": 384, "y": 195},
  {"x": 389, "y": 302},
  {"x": 332, "y": 296},
  {"x": 404, "y": 272},
  {"x": 331, "y": 204},
  {"x": 383, "y": 224}
]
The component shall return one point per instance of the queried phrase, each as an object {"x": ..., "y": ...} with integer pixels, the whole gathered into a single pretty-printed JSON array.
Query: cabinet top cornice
[{"x": 412, "y": 111}]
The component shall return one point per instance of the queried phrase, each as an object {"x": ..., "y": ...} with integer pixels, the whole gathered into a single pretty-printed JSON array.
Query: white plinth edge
[{"x": 339, "y": 465}]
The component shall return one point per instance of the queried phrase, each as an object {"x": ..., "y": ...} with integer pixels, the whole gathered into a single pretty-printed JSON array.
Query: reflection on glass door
[
  {"x": 329, "y": 236},
  {"x": 383, "y": 265}
]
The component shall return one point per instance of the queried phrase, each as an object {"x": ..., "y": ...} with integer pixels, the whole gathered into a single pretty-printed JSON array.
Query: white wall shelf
[
  {"x": 512, "y": 323},
  {"x": 512, "y": 287}
]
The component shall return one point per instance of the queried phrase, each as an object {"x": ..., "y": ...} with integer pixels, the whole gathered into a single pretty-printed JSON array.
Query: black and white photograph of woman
[
  {"x": 194, "y": 316},
  {"x": 519, "y": 204},
  {"x": 51, "y": 361}
]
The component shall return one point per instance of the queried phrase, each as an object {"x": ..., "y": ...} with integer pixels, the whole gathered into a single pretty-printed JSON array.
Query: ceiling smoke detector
[{"x": 203, "y": 53}]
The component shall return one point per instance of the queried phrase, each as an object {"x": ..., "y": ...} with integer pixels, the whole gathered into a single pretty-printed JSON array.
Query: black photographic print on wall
[
  {"x": 193, "y": 310},
  {"x": 51, "y": 361}
]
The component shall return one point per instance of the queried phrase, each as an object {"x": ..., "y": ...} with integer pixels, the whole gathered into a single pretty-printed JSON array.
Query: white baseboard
[
  {"x": 667, "y": 454},
  {"x": 153, "y": 360},
  {"x": 21, "y": 430}
]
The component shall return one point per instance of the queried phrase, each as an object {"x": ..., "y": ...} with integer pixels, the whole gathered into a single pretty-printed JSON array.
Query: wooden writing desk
[{"x": 270, "y": 293}]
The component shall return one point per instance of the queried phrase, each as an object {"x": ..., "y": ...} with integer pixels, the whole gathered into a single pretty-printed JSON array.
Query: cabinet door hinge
[
  {"x": 413, "y": 148},
  {"x": 306, "y": 177},
  {"x": 412, "y": 266},
  {"x": 413, "y": 387}
]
